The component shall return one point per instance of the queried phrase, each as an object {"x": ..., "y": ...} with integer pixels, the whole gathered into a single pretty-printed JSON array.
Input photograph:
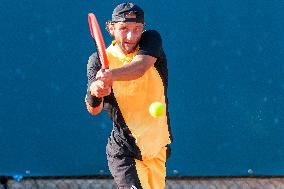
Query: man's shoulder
[
  {"x": 151, "y": 34},
  {"x": 151, "y": 44},
  {"x": 152, "y": 38}
]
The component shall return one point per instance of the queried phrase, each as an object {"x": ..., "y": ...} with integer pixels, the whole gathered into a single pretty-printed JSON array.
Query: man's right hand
[{"x": 99, "y": 88}]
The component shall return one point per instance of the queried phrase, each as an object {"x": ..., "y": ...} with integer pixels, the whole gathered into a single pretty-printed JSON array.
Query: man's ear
[{"x": 110, "y": 28}]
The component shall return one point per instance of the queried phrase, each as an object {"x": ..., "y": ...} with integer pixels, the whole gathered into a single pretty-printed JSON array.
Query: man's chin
[{"x": 128, "y": 50}]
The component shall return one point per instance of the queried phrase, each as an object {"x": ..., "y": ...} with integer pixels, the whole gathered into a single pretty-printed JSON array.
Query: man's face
[{"x": 127, "y": 35}]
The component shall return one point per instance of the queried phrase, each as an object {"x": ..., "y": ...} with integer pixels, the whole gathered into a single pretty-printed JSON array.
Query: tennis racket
[{"x": 98, "y": 39}]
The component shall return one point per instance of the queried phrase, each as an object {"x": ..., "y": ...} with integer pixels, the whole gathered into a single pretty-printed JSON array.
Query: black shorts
[
  {"x": 132, "y": 173},
  {"x": 121, "y": 163}
]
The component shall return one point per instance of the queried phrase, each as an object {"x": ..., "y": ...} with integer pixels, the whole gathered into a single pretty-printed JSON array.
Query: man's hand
[
  {"x": 105, "y": 76},
  {"x": 99, "y": 88}
]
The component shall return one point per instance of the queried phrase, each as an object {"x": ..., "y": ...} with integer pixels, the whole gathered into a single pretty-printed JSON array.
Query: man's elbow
[
  {"x": 140, "y": 72},
  {"x": 148, "y": 62}
]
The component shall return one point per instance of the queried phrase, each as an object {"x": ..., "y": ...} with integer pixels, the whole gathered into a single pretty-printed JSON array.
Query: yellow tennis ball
[{"x": 157, "y": 109}]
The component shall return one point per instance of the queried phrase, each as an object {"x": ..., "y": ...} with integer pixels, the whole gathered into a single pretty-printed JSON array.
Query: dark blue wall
[{"x": 226, "y": 86}]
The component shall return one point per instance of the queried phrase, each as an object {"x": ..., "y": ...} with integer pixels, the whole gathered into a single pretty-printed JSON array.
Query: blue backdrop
[{"x": 226, "y": 86}]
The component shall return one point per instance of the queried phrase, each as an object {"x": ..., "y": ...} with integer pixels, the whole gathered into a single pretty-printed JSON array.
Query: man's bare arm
[{"x": 136, "y": 69}]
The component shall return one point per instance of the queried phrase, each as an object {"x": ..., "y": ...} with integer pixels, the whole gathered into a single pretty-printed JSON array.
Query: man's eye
[{"x": 122, "y": 29}]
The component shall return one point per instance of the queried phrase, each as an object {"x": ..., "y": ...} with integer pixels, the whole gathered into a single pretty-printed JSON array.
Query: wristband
[{"x": 93, "y": 100}]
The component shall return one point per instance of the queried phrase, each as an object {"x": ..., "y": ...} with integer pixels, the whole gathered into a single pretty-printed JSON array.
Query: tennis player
[{"x": 138, "y": 145}]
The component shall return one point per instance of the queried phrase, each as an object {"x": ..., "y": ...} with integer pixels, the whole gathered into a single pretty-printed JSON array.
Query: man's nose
[{"x": 129, "y": 35}]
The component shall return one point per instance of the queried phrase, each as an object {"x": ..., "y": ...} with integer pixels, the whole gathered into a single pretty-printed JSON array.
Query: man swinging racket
[{"x": 137, "y": 76}]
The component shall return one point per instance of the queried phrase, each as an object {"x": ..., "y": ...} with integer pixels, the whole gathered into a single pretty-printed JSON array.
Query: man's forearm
[
  {"x": 128, "y": 72},
  {"x": 136, "y": 69}
]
